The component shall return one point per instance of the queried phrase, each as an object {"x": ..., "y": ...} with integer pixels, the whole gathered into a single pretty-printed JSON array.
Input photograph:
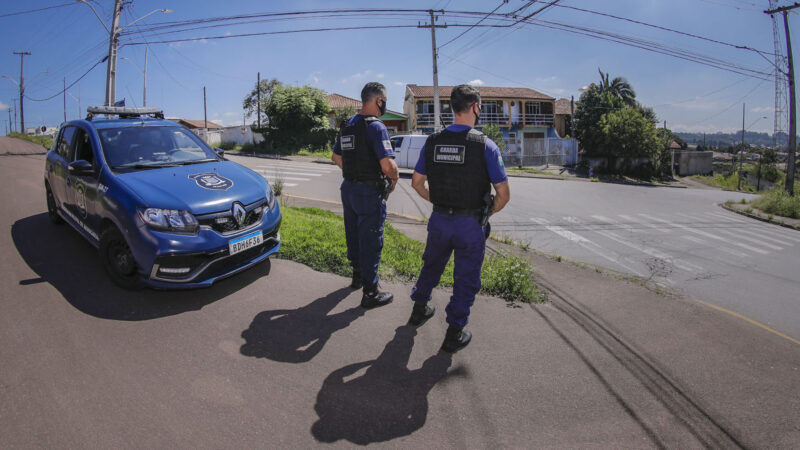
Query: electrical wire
[
  {"x": 37, "y": 10},
  {"x": 72, "y": 84},
  {"x": 470, "y": 28}
]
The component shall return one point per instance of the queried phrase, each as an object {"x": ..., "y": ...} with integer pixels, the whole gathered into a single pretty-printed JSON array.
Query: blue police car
[{"x": 163, "y": 208}]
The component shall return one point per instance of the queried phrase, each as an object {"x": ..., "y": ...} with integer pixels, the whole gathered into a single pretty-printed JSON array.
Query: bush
[
  {"x": 44, "y": 141},
  {"x": 779, "y": 203},
  {"x": 582, "y": 168},
  {"x": 227, "y": 145}
]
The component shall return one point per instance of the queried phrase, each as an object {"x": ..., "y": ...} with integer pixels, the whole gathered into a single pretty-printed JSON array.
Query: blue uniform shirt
[
  {"x": 494, "y": 162},
  {"x": 377, "y": 139}
]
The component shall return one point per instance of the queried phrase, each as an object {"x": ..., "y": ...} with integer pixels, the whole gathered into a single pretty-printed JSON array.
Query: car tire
[
  {"x": 52, "y": 209},
  {"x": 117, "y": 260}
]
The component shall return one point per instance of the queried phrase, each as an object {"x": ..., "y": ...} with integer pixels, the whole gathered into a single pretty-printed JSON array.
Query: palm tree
[{"x": 618, "y": 88}]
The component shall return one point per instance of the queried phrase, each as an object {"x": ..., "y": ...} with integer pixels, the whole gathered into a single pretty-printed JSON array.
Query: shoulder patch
[
  {"x": 500, "y": 161},
  {"x": 387, "y": 145},
  {"x": 449, "y": 154}
]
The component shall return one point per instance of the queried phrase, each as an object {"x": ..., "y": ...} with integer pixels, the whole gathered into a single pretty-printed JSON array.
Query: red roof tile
[
  {"x": 336, "y": 101},
  {"x": 198, "y": 123}
]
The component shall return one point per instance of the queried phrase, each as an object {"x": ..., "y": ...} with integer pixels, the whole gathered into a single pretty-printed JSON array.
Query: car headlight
[
  {"x": 169, "y": 220},
  {"x": 270, "y": 197}
]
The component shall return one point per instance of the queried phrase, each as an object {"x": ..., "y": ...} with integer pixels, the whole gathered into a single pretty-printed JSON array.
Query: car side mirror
[
  {"x": 220, "y": 152},
  {"x": 81, "y": 167}
]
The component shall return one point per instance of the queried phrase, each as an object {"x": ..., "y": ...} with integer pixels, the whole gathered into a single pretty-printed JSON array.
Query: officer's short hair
[
  {"x": 463, "y": 96},
  {"x": 372, "y": 90}
]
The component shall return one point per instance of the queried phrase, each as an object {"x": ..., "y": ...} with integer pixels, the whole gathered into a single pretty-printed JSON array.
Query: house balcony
[
  {"x": 539, "y": 119},
  {"x": 487, "y": 118},
  {"x": 426, "y": 119}
]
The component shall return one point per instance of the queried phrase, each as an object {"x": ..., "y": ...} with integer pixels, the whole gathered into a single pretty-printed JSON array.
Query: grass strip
[
  {"x": 315, "y": 237},
  {"x": 779, "y": 203},
  {"x": 44, "y": 141}
]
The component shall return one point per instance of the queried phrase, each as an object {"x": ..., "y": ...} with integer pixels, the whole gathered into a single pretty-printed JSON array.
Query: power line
[
  {"x": 73, "y": 84},
  {"x": 476, "y": 24},
  {"x": 37, "y": 10}
]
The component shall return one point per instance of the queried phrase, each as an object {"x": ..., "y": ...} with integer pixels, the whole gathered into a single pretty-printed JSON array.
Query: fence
[{"x": 543, "y": 152}]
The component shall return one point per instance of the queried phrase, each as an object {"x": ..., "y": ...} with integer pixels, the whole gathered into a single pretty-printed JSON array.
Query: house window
[
  {"x": 425, "y": 107},
  {"x": 490, "y": 107},
  {"x": 533, "y": 108}
]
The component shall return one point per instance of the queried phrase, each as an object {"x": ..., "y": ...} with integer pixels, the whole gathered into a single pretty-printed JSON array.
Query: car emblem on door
[
  {"x": 238, "y": 213},
  {"x": 212, "y": 180}
]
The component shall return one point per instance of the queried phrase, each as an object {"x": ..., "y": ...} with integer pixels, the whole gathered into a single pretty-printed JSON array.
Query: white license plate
[{"x": 243, "y": 243}]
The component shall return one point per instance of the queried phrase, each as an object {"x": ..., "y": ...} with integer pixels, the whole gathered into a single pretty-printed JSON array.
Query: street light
[
  {"x": 144, "y": 73},
  {"x": 113, "y": 31}
]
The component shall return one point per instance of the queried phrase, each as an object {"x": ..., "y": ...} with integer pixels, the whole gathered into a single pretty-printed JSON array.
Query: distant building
[
  {"x": 209, "y": 131},
  {"x": 396, "y": 123}
]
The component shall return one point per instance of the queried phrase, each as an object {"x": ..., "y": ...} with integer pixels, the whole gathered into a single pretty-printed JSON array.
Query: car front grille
[{"x": 223, "y": 222}]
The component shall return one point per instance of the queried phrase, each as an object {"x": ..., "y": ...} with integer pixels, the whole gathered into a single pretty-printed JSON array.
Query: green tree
[
  {"x": 298, "y": 117},
  {"x": 628, "y": 135},
  {"x": 618, "y": 88},
  {"x": 591, "y": 108},
  {"x": 250, "y": 103},
  {"x": 342, "y": 114},
  {"x": 493, "y": 132}
]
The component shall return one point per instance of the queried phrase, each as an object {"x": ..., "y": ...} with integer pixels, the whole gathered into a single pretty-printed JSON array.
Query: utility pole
[
  {"x": 790, "y": 164},
  {"x": 15, "y": 114},
  {"x": 64, "y": 94},
  {"x": 258, "y": 101},
  {"x": 21, "y": 91},
  {"x": 205, "y": 116},
  {"x": 111, "y": 70},
  {"x": 144, "y": 85},
  {"x": 437, "y": 123},
  {"x": 741, "y": 154}
]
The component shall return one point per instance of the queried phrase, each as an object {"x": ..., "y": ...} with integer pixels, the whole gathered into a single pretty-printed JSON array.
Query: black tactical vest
[
  {"x": 456, "y": 167},
  {"x": 359, "y": 162}
]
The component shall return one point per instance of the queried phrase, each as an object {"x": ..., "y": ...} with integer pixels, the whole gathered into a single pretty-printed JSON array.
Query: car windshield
[{"x": 143, "y": 147}]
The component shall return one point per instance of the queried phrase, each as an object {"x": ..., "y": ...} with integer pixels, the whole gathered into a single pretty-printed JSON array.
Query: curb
[
  {"x": 759, "y": 217},
  {"x": 279, "y": 157}
]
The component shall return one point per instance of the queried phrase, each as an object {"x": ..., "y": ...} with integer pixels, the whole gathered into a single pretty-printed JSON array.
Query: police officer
[
  {"x": 460, "y": 165},
  {"x": 364, "y": 153}
]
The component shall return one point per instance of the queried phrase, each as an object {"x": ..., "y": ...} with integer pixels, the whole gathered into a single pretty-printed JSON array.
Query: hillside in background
[{"x": 728, "y": 139}]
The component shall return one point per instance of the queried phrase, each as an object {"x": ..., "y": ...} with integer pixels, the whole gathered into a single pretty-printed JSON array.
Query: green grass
[
  {"x": 779, "y": 203},
  {"x": 315, "y": 237},
  {"x": 721, "y": 181},
  {"x": 44, "y": 141},
  {"x": 513, "y": 170},
  {"x": 319, "y": 153}
]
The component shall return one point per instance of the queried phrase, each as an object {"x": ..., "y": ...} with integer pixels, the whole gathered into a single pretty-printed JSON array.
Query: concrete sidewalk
[{"x": 610, "y": 363}]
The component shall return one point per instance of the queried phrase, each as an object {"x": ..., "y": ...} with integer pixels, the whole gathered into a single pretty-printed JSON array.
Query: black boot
[
  {"x": 373, "y": 297},
  {"x": 420, "y": 314},
  {"x": 356, "y": 283},
  {"x": 456, "y": 339}
]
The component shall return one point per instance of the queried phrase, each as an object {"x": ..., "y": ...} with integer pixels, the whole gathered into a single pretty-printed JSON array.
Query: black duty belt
[
  {"x": 371, "y": 183},
  {"x": 457, "y": 211}
]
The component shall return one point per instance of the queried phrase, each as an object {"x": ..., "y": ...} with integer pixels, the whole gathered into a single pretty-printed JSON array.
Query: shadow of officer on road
[
  {"x": 386, "y": 402},
  {"x": 297, "y": 335}
]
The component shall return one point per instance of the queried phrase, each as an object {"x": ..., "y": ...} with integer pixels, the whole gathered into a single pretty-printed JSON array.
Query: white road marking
[
  {"x": 735, "y": 253},
  {"x": 634, "y": 220},
  {"x": 772, "y": 230},
  {"x": 749, "y": 239},
  {"x": 586, "y": 244},
  {"x": 763, "y": 236},
  {"x": 708, "y": 235},
  {"x": 611, "y": 222},
  {"x": 689, "y": 267},
  {"x": 299, "y": 167},
  {"x": 282, "y": 172}
]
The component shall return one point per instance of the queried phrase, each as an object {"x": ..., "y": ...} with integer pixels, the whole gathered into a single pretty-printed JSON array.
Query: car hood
[{"x": 198, "y": 188}]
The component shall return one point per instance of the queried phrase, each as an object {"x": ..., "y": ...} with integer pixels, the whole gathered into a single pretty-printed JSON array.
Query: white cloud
[
  {"x": 547, "y": 80},
  {"x": 399, "y": 83},
  {"x": 476, "y": 82},
  {"x": 3, "y": 106},
  {"x": 358, "y": 76},
  {"x": 763, "y": 109},
  {"x": 231, "y": 114},
  {"x": 380, "y": 76},
  {"x": 313, "y": 78}
]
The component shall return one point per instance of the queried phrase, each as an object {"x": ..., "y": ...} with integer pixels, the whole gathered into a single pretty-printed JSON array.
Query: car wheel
[
  {"x": 52, "y": 212},
  {"x": 117, "y": 260}
]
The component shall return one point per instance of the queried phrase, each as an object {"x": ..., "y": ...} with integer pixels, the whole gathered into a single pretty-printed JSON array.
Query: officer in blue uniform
[
  {"x": 364, "y": 153},
  {"x": 460, "y": 165}
]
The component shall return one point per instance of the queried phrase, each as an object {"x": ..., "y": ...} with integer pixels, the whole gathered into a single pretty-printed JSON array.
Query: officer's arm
[
  {"x": 501, "y": 196},
  {"x": 389, "y": 168},
  {"x": 337, "y": 159},
  {"x": 418, "y": 183}
]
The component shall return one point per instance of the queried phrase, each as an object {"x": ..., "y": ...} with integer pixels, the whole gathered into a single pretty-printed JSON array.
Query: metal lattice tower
[{"x": 781, "y": 83}]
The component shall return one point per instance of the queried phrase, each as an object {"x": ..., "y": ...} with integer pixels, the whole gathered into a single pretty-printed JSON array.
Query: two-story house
[
  {"x": 396, "y": 123},
  {"x": 521, "y": 113}
]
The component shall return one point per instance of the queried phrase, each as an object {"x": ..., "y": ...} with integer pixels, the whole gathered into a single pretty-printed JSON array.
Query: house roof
[
  {"x": 197, "y": 123},
  {"x": 485, "y": 91},
  {"x": 562, "y": 106},
  {"x": 675, "y": 146},
  {"x": 338, "y": 101}
]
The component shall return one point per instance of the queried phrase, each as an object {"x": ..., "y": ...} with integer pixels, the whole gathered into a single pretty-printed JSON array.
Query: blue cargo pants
[{"x": 364, "y": 215}]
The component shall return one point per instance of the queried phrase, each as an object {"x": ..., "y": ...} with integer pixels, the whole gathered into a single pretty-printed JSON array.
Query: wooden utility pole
[
  {"x": 21, "y": 91},
  {"x": 436, "y": 104},
  {"x": 205, "y": 114},
  {"x": 790, "y": 163},
  {"x": 258, "y": 101},
  {"x": 65, "y": 99},
  {"x": 741, "y": 155}
]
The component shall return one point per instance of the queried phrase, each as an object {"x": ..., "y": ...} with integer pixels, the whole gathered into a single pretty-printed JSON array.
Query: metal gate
[{"x": 544, "y": 152}]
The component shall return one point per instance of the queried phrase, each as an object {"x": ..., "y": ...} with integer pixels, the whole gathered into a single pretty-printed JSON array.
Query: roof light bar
[{"x": 123, "y": 111}]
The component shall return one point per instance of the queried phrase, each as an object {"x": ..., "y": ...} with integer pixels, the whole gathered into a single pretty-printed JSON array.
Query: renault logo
[{"x": 238, "y": 213}]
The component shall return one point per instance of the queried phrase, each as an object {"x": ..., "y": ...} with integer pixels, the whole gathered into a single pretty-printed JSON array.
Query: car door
[
  {"x": 399, "y": 153},
  {"x": 57, "y": 166},
  {"x": 82, "y": 181}
]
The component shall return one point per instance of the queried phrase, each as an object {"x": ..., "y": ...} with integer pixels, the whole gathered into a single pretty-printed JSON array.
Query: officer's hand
[{"x": 394, "y": 184}]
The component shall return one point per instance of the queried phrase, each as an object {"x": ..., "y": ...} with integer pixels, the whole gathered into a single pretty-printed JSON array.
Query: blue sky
[{"x": 67, "y": 41}]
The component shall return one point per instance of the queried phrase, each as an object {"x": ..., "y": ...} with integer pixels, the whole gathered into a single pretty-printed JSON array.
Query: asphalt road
[
  {"x": 281, "y": 356},
  {"x": 679, "y": 238}
]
